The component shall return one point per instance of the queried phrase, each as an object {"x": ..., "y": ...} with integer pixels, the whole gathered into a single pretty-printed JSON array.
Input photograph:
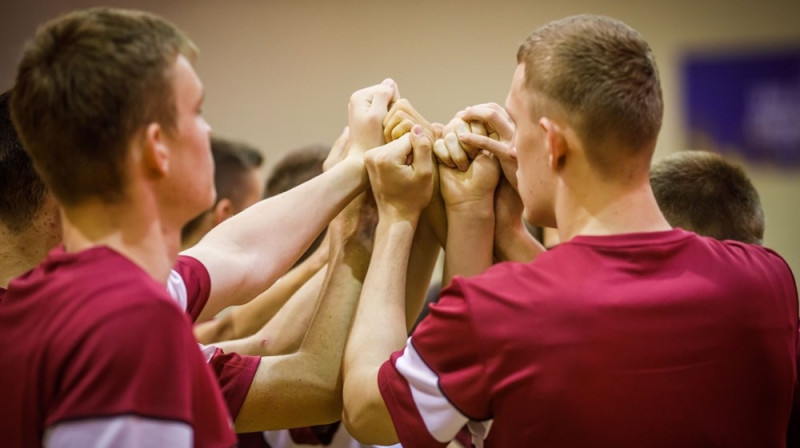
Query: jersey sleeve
[
  {"x": 437, "y": 381},
  {"x": 235, "y": 374},
  {"x": 190, "y": 285},
  {"x": 137, "y": 361}
]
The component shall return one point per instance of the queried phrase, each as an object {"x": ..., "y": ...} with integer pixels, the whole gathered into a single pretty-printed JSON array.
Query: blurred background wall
[{"x": 279, "y": 73}]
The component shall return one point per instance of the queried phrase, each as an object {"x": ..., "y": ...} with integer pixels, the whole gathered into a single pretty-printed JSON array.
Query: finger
[
  {"x": 494, "y": 116},
  {"x": 395, "y": 117},
  {"x": 398, "y": 107},
  {"x": 477, "y": 127},
  {"x": 499, "y": 149},
  {"x": 441, "y": 153},
  {"x": 396, "y": 151},
  {"x": 385, "y": 93},
  {"x": 402, "y": 129},
  {"x": 457, "y": 153},
  {"x": 422, "y": 147},
  {"x": 462, "y": 127},
  {"x": 437, "y": 129}
]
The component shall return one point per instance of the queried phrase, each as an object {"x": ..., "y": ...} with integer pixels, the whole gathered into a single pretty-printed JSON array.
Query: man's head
[
  {"x": 587, "y": 81},
  {"x": 238, "y": 182},
  {"x": 707, "y": 194},
  {"x": 294, "y": 168},
  {"x": 90, "y": 86}
]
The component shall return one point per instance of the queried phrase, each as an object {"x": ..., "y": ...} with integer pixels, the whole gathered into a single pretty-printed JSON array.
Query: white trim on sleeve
[
  {"x": 441, "y": 418},
  {"x": 177, "y": 289},
  {"x": 119, "y": 432}
]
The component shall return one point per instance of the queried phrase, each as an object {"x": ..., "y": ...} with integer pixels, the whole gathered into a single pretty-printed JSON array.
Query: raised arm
[
  {"x": 304, "y": 388},
  {"x": 511, "y": 239},
  {"x": 245, "y": 320},
  {"x": 431, "y": 231},
  {"x": 246, "y": 254},
  {"x": 401, "y": 191}
]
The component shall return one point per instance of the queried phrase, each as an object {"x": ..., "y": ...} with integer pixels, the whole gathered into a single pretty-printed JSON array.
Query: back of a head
[
  {"x": 87, "y": 83},
  {"x": 233, "y": 162},
  {"x": 295, "y": 168},
  {"x": 707, "y": 194},
  {"x": 22, "y": 192},
  {"x": 603, "y": 75}
]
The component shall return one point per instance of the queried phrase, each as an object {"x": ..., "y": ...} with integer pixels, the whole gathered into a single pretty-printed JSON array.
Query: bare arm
[
  {"x": 424, "y": 252},
  {"x": 246, "y": 254},
  {"x": 512, "y": 241},
  {"x": 401, "y": 192},
  {"x": 247, "y": 319},
  {"x": 304, "y": 388},
  {"x": 469, "y": 203},
  {"x": 284, "y": 333}
]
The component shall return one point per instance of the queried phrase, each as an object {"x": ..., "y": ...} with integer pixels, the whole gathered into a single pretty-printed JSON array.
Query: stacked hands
[{"x": 418, "y": 168}]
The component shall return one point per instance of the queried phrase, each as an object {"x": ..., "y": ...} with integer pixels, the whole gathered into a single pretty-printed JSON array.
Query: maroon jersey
[
  {"x": 189, "y": 285},
  {"x": 660, "y": 339},
  {"x": 93, "y": 348}
]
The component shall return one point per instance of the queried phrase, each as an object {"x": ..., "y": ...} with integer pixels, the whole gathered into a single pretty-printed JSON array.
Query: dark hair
[
  {"x": 293, "y": 169},
  {"x": 22, "y": 191},
  {"x": 707, "y": 194},
  {"x": 87, "y": 83},
  {"x": 603, "y": 74},
  {"x": 233, "y": 161}
]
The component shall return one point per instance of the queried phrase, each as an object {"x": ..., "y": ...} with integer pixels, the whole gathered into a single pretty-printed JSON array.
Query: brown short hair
[
  {"x": 233, "y": 161},
  {"x": 296, "y": 167},
  {"x": 86, "y": 84},
  {"x": 705, "y": 193},
  {"x": 22, "y": 191},
  {"x": 604, "y": 76}
]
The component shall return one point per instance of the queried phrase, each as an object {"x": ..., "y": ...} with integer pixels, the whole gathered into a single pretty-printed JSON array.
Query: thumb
[
  {"x": 397, "y": 150},
  {"x": 422, "y": 147}
]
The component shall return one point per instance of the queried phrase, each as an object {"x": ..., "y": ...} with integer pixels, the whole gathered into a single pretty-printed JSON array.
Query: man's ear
[
  {"x": 155, "y": 153},
  {"x": 554, "y": 141},
  {"x": 223, "y": 210}
]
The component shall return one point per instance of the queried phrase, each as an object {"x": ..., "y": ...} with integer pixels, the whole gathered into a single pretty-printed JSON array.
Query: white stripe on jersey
[
  {"x": 177, "y": 289},
  {"x": 441, "y": 418},
  {"x": 119, "y": 432}
]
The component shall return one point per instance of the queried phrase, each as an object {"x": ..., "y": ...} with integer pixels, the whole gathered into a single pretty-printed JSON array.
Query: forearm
[
  {"x": 246, "y": 253},
  {"x": 470, "y": 239},
  {"x": 515, "y": 243},
  {"x": 215, "y": 330},
  {"x": 378, "y": 330},
  {"x": 424, "y": 252},
  {"x": 255, "y": 314},
  {"x": 284, "y": 333},
  {"x": 304, "y": 388}
]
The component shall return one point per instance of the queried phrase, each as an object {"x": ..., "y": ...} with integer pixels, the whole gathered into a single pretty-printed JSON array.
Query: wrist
[
  {"x": 354, "y": 163},
  {"x": 482, "y": 208}
]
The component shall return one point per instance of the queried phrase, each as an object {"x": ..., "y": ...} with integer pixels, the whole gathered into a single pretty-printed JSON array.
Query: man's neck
[
  {"x": 608, "y": 209},
  {"x": 138, "y": 233},
  {"x": 19, "y": 253}
]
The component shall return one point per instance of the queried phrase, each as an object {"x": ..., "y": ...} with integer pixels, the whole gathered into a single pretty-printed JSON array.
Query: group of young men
[{"x": 630, "y": 332}]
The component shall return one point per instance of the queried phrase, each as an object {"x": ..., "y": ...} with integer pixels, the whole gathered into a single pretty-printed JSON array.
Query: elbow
[{"x": 365, "y": 416}]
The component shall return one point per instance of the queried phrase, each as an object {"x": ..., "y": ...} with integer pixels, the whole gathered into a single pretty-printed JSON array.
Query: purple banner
[{"x": 746, "y": 101}]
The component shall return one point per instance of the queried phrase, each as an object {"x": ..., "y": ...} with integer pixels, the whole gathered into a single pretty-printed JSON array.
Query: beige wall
[{"x": 278, "y": 73}]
